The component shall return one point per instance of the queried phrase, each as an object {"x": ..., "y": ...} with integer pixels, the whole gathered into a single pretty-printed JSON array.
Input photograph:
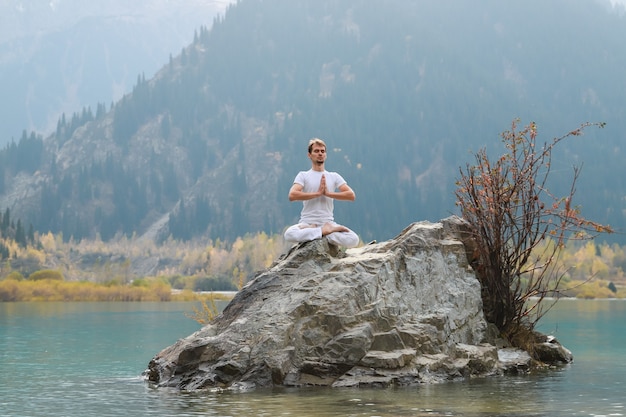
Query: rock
[
  {"x": 399, "y": 312},
  {"x": 543, "y": 351},
  {"x": 548, "y": 350},
  {"x": 514, "y": 360}
]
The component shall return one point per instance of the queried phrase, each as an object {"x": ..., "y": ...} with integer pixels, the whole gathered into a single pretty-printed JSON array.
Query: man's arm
[
  {"x": 345, "y": 193},
  {"x": 296, "y": 193}
]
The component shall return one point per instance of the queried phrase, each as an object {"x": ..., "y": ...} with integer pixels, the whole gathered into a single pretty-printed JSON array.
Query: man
[{"x": 317, "y": 189}]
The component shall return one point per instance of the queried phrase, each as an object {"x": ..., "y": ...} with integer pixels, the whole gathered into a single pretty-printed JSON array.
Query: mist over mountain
[
  {"x": 402, "y": 92},
  {"x": 62, "y": 55}
]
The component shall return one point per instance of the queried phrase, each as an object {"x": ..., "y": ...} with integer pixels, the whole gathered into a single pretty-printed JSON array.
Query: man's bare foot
[{"x": 329, "y": 228}]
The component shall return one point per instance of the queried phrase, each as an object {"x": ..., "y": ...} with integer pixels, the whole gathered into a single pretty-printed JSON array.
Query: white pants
[{"x": 303, "y": 232}]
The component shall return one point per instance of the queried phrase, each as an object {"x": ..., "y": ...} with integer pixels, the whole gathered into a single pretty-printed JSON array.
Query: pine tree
[{"x": 20, "y": 235}]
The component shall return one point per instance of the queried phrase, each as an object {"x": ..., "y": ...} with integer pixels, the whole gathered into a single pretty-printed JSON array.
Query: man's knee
[
  {"x": 352, "y": 240},
  {"x": 290, "y": 235},
  {"x": 346, "y": 239}
]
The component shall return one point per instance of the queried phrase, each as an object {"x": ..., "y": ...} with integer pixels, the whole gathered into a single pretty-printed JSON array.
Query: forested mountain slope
[{"x": 401, "y": 91}]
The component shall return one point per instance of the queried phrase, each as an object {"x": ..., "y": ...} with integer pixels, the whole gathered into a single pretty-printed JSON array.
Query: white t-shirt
[{"x": 318, "y": 210}]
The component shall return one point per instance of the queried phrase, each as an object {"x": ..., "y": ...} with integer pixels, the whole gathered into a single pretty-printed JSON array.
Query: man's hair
[{"x": 316, "y": 141}]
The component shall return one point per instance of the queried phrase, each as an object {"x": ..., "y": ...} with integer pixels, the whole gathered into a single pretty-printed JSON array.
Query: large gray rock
[{"x": 403, "y": 311}]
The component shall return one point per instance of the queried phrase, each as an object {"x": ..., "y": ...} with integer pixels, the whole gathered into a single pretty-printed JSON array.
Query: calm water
[{"x": 85, "y": 359}]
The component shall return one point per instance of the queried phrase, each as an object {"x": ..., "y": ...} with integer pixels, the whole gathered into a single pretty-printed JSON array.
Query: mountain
[
  {"x": 402, "y": 92},
  {"x": 60, "y": 56}
]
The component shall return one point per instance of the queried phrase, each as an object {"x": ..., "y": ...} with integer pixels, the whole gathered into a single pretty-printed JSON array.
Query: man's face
[{"x": 318, "y": 154}]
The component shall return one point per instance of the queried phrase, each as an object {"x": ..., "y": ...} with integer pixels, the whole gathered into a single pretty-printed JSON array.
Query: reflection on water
[
  {"x": 84, "y": 359},
  {"x": 350, "y": 402}
]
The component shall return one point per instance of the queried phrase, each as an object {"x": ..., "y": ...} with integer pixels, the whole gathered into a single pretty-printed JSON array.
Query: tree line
[{"x": 12, "y": 230}]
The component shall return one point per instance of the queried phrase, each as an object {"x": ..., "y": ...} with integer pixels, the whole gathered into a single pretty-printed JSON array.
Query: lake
[{"x": 86, "y": 359}]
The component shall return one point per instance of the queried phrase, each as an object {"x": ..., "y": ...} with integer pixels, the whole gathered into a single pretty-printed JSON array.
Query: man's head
[
  {"x": 316, "y": 141},
  {"x": 317, "y": 153}
]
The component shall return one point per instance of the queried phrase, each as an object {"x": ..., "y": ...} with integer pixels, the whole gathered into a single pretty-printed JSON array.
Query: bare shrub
[{"x": 512, "y": 214}]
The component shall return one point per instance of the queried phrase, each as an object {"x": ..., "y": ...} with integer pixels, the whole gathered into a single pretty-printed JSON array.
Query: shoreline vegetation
[
  {"x": 54, "y": 291},
  {"x": 50, "y": 269},
  {"x": 47, "y": 268}
]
